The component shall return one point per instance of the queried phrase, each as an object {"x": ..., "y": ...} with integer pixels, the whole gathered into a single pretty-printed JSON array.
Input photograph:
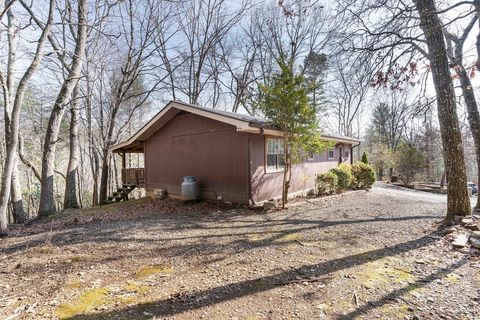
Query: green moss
[
  {"x": 110, "y": 209},
  {"x": 400, "y": 275},
  {"x": 290, "y": 237},
  {"x": 415, "y": 289},
  {"x": 344, "y": 305},
  {"x": 73, "y": 285},
  {"x": 136, "y": 201},
  {"x": 146, "y": 271},
  {"x": 392, "y": 311},
  {"x": 452, "y": 278},
  {"x": 257, "y": 237},
  {"x": 45, "y": 249},
  {"x": 76, "y": 259},
  {"x": 130, "y": 293},
  {"x": 134, "y": 287},
  {"x": 88, "y": 301},
  {"x": 380, "y": 273}
]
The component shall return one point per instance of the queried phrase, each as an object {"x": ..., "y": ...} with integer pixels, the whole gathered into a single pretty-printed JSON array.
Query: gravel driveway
[
  {"x": 359, "y": 255},
  {"x": 400, "y": 192}
]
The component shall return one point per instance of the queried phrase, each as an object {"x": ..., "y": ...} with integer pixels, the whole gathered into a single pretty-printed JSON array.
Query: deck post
[
  {"x": 124, "y": 166},
  {"x": 124, "y": 160}
]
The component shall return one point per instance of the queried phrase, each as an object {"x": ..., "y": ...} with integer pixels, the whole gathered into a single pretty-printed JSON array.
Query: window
[
  {"x": 330, "y": 154},
  {"x": 275, "y": 154},
  {"x": 311, "y": 156},
  {"x": 347, "y": 154}
]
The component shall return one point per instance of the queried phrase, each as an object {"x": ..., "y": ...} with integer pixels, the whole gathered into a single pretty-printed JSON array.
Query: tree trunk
[
  {"x": 47, "y": 205},
  {"x": 104, "y": 176},
  {"x": 71, "y": 199},
  {"x": 286, "y": 174},
  {"x": 18, "y": 212},
  {"x": 92, "y": 152},
  {"x": 456, "y": 57},
  {"x": 95, "y": 169},
  {"x": 115, "y": 174},
  {"x": 458, "y": 202},
  {"x": 106, "y": 152},
  {"x": 473, "y": 118}
]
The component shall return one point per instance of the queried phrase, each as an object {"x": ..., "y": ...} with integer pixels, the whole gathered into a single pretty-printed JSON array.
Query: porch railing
[{"x": 134, "y": 176}]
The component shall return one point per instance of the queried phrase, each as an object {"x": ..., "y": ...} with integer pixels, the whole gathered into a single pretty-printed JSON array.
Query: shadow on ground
[
  {"x": 173, "y": 306},
  {"x": 113, "y": 233}
]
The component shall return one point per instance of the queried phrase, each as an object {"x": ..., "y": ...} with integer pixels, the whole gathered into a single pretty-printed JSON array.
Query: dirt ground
[{"x": 360, "y": 255}]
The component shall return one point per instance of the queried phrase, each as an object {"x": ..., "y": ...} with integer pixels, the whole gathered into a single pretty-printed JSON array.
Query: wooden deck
[{"x": 134, "y": 176}]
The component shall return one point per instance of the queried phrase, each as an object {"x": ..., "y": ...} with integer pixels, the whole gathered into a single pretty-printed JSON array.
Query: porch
[{"x": 132, "y": 174}]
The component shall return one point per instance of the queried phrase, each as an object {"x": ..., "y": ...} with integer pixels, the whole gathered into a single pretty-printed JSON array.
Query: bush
[
  {"x": 344, "y": 176},
  {"x": 326, "y": 183},
  {"x": 365, "y": 158},
  {"x": 409, "y": 162},
  {"x": 363, "y": 175}
]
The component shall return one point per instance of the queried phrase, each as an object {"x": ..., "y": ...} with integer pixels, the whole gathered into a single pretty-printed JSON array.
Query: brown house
[{"x": 235, "y": 157}]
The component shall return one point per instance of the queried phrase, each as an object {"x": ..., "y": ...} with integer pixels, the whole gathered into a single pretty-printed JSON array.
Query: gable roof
[{"x": 243, "y": 123}]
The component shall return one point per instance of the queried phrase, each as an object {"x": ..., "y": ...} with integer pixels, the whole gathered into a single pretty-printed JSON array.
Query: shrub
[
  {"x": 326, "y": 183},
  {"x": 409, "y": 162},
  {"x": 363, "y": 175},
  {"x": 365, "y": 158},
  {"x": 344, "y": 176}
]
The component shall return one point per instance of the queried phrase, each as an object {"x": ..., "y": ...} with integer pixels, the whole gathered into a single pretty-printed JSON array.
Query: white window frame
[
  {"x": 333, "y": 154},
  {"x": 279, "y": 142}
]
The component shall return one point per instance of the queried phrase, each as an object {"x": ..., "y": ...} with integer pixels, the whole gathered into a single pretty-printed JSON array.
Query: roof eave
[
  {"x": 340, "y": 139},
  {"x": 241, "y": 125}
]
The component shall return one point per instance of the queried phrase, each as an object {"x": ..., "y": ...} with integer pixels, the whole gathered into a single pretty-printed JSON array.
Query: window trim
[
  {"x": 346, "y": 154},
  {"x": 267, "y": 169},
  {"x": 333, "y": 154}
]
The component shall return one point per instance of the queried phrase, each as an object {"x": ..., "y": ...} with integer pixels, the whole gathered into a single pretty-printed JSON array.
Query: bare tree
[
  {"x": 458, "y": 197},
  {"x": 241, "y": 74},
  {"x": 205, "y": 25},
  {"x": 127, "y": 85},
  {"x": 47, "y": 204},
  {"x": 455, "y": 50},
  {"x": 99, "y": 50},
  {"x": 348, "y": 92},
  {"x": 16, "y": 193},
  {"x": 394, "y": 40},
  {"x": 294, "y": 31},
  {"x": 13, "y": 99}
]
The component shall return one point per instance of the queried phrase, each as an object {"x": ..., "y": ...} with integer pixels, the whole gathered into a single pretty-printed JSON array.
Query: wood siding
[
  {"x": 191, "y": 145},
  {"x": 268, "y": 185}
]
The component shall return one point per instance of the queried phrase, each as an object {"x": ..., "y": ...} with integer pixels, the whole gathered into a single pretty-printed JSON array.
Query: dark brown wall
[
  {"x": 268, "y": 185},
  {"x": 212, "y": 151}
]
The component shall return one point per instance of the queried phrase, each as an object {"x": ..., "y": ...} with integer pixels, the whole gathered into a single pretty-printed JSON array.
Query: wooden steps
[{"x": 121, "y": 194}]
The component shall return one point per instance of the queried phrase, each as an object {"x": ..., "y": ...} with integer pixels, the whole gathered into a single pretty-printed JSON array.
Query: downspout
[
  {"x": 351, "y": 151},
  {"x": 250, "y": 195},
  {"x": 145, "y": 165}
]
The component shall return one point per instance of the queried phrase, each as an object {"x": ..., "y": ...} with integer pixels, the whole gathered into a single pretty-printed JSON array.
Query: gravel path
[
  {"x": 408, "y": 194},
  {"x": 360, "y": 255}
]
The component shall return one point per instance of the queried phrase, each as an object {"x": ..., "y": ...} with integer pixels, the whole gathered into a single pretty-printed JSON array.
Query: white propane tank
[{"x": 190, "y": 188}]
